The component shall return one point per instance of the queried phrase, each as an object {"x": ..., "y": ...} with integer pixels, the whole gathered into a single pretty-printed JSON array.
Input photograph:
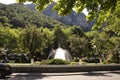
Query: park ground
[{"x": 96, "y": 75}]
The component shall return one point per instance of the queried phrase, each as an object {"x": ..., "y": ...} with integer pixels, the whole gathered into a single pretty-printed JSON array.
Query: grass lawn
[{"x": 19, "y": 64}]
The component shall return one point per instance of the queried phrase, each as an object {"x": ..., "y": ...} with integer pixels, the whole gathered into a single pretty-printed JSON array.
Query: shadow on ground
[
  {"x": 40, "y": 76},
  {"x": 95, "y": 73},
  {"x": 28, "y": 76}
]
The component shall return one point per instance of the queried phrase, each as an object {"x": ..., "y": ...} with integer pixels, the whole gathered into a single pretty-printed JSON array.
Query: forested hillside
[{"x": 18, "y": 15}]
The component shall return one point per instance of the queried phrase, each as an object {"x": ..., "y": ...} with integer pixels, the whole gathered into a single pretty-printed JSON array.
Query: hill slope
[{"x": 18, "y": 15}]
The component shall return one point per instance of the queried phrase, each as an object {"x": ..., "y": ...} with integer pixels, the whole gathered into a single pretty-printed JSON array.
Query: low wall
[{"x": 63, "y": 68}]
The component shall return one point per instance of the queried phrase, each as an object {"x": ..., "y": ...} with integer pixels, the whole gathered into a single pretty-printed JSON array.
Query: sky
[
  {"x": 7, "y": 1},
  {"x": 14, "y": 1}
]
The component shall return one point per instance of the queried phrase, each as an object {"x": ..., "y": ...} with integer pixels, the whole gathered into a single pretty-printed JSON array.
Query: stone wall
[{"x": 63, "y": 68}]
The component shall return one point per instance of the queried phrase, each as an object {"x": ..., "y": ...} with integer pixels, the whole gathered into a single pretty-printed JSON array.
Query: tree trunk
[
  {"x": 101, "y": 61},
  {"x": 32, "y": 60},
  {"x": 100, "y": 57},
  {"x": 80, "y": 61}
]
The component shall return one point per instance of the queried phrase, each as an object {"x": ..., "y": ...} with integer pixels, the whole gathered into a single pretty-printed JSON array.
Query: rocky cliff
[{"x": 72, "y": 19}]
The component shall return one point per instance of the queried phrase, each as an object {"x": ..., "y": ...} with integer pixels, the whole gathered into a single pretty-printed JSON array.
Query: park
[{"x": 33, "y": 42}]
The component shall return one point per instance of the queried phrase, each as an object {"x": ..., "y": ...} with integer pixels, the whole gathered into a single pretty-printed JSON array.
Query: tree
[
  {"x": 116, "y": 49},
  {"x": 47, "y": 42},
  {"x": 76, "y": 30},
  {"x": 18, "y": 21},
  {"x": 113, "y": 24},
  {"x": 59, "y": 37},
  {"x": 3, "y": 19},
  {"x": 18, "y": 15},
  {"x": 101, "y": 45},
  {"x": 9, "y": 38},
  {"x": 96, "y": 8},
  {"x": 31, "y": 39},
  {"x": 78, "y": 46}
]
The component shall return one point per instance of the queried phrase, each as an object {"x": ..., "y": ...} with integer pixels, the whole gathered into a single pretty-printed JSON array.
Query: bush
[
  {"x": 112, "y": 58},
  {"x": 57, "y": 61},
  {"x": 44, "y": 62},
  {"x": 74, "y": 63},
  {"x": 92, "y": 60}
]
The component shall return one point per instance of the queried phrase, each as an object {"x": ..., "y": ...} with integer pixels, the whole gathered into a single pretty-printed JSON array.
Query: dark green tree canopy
[{"x": 18, "y": 15}]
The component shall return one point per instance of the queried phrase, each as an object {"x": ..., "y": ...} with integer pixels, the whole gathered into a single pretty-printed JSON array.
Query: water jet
[{"x": 60, "y": 53}]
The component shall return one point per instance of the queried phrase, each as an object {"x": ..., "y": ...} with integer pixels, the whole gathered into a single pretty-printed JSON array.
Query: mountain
[
  {"x": 72, "y": 19},
  {"x": 18, "y": 15}
]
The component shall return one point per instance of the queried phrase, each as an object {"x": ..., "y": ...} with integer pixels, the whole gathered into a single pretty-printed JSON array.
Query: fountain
[{"x": 60, "y": 53}]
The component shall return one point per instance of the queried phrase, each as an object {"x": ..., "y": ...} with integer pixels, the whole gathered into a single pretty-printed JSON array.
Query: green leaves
[
  {"x": 97, "y": 9},
  {"x": 9, "y": 38},
  {"x": 79, "y": 6},
  {"x": 18, "y": 15},
  {"x": 42, "y": 4},
  {"x": 63, "y": 7},
  {"x": 31, "y": 39}
]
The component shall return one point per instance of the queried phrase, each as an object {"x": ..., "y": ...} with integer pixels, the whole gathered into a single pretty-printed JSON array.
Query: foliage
[
  {"x": 77, "y": 42},
  {"x": 74, "y": 63},
  {"x": 59, "y": 37},
  {"x": 18, "y": 15},
  {"x": 57, "y": 62},
  {"x": 7, "y": 37},
  {"x": 47, "y": 42},
  {"x": 102, "y": 44},
  {"x": 78, "y": 46},
  {"x": 31, "y": 39},
  {"x": 39, "y": 41},
  {"x": 113, "y": 57},
  {"x": 100, "y": 9}
]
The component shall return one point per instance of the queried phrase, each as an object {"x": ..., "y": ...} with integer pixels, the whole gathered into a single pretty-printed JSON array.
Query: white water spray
[{"x": 60, "y": 53}]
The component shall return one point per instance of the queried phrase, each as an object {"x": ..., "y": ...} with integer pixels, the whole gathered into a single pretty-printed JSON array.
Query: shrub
[
  {"x": 112, "y": 58},
  {"x": 44, "y": 62},
  {"x": 74, "y": 63},
  {"x": 57, "y": 61}
]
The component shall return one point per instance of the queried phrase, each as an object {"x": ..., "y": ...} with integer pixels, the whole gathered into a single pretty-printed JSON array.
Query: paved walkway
[{"x": 102, "y": 75}]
